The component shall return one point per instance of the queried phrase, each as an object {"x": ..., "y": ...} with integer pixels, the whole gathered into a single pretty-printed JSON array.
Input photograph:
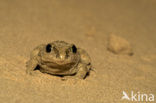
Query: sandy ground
[{"x": 25, "y": 24}]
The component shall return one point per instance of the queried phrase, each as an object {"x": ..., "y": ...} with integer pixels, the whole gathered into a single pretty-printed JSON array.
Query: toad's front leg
[
  {"x": 83, "y": 70},
  {"x": 31, "y": 65}
]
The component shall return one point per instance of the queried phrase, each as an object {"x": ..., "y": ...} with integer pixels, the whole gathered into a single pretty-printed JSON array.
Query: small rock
[{"x": 119, "y": 45}]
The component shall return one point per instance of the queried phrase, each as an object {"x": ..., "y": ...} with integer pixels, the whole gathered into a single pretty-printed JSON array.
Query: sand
[{"x": 24, "y": 24}]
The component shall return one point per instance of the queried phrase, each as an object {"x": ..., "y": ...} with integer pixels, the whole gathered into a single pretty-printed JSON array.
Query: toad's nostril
[
  {"x": 67, "y": 55},
  {"x": 57, "y": 55}
]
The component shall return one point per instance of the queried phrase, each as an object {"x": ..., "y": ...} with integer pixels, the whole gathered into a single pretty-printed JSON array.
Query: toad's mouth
[{"x": 60, "y": 64}]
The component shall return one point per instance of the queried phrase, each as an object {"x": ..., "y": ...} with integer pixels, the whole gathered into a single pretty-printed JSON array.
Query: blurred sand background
[{"x": 24, "y": 24}]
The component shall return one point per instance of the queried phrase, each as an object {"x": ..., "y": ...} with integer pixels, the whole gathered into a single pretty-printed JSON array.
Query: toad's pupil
[
  {"x": 74, "y": 49},
  {"x": 48, "y": 48}
]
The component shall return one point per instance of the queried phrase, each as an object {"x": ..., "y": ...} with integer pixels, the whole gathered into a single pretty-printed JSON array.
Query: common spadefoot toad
[{"x": 59, "y": 58}]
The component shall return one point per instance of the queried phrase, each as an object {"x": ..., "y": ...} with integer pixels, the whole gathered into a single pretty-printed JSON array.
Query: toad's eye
[
  {"x": 74, "y": 49},
  {"x": 48, "y": 48}
]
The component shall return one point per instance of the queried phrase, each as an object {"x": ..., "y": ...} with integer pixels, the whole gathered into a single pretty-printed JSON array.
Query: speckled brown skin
[{"x": 59, "y": 58}]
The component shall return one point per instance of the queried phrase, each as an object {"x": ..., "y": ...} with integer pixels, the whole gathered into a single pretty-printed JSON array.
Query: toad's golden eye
[
  {"x": 48, "y": 48},
  {"x": 74, "y": 49}
]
